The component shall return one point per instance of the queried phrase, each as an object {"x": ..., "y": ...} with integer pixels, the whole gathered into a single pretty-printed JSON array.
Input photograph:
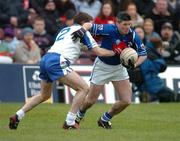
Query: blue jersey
[{"x": 111, "y": 36}]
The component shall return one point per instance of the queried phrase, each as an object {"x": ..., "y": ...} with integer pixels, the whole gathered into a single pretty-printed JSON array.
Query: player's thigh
[
  {"x": 123, "y": 89},
  {"x": 94, "y": 91},
  {"x": 46, "y": 88},
  {"x": 74, "y": 81}
]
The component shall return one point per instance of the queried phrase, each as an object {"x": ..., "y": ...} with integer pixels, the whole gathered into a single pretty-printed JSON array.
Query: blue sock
[
  {"x": 106, "y": 117},
  {"x": 81, "y": 113}
]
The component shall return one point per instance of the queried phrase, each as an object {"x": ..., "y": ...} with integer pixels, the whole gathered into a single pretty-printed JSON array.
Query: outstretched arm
[
  {"x": 87, "y": 26},
  {"x": 80, "y": 33},
  {"x": 103, "y": 52}
]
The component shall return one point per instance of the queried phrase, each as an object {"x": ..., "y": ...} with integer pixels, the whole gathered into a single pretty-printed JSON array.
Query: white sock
[
  {"x": 70, "y": 119},
  {"x": 20, "y": 114}
]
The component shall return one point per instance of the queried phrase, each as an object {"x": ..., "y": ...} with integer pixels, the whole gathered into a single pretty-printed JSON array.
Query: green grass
[{"x": 142, "y": 122}]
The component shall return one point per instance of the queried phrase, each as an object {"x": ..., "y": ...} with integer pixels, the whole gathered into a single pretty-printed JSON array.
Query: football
[{"x": 128, "y": 53}]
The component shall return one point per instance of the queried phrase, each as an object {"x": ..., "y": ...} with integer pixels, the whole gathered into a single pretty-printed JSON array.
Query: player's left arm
[{"x": 141, "y": 50}]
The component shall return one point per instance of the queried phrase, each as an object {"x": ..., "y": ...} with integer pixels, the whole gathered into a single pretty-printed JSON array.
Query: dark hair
[
  {"x": 70, "y": 14},
  {"x": 157, "y": 43},
  {"x": 82, "y": 17},
  {"x": 123, "y": 16},
  {"x": 38, "y": 18},
  {"x": 106, "y": 2},
  {"x": 9, "y": 32}
]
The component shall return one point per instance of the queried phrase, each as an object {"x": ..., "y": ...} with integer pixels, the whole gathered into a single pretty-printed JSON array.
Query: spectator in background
[
  {"x": 121, "y": 5},
  {"x": 91, "y": 7},
  {"x": 27, "y": 51},
  {"x": 150, "y": 34},
  {"x": 31, "y": 16},
  {"x": 69, "y": 18},
  {"x": 10, "y": 39},
  {"x": 18, "y": 33},
  {"x": 106, "y": 16},
  {"x": 12, "y": 13},
  {"x": 37, "y": 5},
  {"x": 140, "y": 31},
  {"x": 116, "y": 4},
  {"x": 177, "y": 17},
  {"x": 6, "y": 55},
  {"x": 1, "y": 34},
  {"x": 172, "y": 5},
  {"x": 131, "y": 9},
  {"x": 171, "y": 40},
  {"x": 160, "y": 14},
  {"x": 63, "y": 6},
  {"x": 152, "y": 83},
  {"x": 144, "y": 7},
  {"x": 41, "y": 37},
  {"x": 51, "y": 17}
]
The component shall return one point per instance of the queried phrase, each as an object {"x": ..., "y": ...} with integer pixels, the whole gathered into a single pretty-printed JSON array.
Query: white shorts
[{"x": 103, "y": 73}]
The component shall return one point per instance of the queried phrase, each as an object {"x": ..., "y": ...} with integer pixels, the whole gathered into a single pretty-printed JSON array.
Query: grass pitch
[{"x": 142, "y": 122}]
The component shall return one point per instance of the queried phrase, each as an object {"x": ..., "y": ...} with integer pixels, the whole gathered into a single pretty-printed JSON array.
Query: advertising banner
[{"x": 32, "y": 82}]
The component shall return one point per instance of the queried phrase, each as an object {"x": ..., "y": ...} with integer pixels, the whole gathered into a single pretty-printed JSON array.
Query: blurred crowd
[{"x": 28, "y": 27}]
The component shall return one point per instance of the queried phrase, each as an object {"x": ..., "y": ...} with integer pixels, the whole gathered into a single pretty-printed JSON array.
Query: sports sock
[
  {"x": 70, "y": 119},
  {"x": 20, "y": 113},
  {"x": 81, "y": 113},
  {"x": 106, "y": 117}
]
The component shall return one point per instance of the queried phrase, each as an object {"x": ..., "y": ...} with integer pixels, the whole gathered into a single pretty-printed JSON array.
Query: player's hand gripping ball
[{"x": 128, "y": 58}]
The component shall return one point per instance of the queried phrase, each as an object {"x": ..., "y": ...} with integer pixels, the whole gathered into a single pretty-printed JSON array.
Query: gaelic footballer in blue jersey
[
  {"x": 55, "y": 66},
  {"x": 110, "y": 69}
]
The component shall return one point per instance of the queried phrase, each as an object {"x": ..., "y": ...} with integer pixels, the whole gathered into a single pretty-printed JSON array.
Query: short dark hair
[
  {"x": 123, "y": 16},
  {"x": 82, "y": 17},
  {"x": 39, "y": 18}
]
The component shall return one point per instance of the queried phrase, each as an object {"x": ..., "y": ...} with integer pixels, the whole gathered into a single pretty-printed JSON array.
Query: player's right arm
[{"x": 102, "y": 52}]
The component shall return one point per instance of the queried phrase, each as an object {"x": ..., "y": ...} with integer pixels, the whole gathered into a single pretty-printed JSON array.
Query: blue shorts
[{"x": 53, "y": 66}]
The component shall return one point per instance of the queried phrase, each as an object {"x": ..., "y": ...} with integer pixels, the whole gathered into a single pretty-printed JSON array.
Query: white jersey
[{"x": 70, "y": 50}]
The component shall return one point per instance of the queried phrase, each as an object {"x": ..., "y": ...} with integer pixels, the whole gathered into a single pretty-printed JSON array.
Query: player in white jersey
[{"x": 55, "y": 65}]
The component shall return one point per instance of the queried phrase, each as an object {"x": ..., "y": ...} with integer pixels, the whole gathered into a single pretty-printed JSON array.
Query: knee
[{"x": 84, "y": 89}]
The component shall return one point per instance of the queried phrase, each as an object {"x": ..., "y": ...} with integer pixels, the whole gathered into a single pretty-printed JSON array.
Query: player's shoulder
[
  {"x": 111, "y": 27},
  {"x": 131, "y": 31},
  {"x": 75, "y": 27},
  {"x": 132, "y": 34},
  {"x": 107, "y": 26}
]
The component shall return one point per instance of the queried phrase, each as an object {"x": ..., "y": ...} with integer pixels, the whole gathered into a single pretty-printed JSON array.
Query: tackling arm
[{"x": 103, "y": 52}]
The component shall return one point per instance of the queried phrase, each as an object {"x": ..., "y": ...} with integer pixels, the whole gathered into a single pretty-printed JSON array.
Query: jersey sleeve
[
  {"x": 89, "y": 41},
  {"x": 141, "y": 50},
  {"x": 101, "y": 29}
]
